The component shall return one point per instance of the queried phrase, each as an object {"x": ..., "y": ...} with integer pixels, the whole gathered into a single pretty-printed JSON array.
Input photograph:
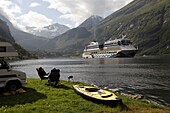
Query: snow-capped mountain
[{"x": 50, "y": 31}]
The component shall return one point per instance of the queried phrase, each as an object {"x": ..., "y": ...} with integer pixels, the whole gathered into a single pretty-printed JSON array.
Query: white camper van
[{"x": 9, "y": 78}]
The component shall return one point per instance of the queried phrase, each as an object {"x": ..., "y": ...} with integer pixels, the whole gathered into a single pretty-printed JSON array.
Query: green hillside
[
  {"x": 146, "y": 22},
  {"x": 70, "y": 43}
]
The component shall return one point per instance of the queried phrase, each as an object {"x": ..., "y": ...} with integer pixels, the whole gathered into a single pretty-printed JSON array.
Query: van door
[{"x": 5, "y": 73}]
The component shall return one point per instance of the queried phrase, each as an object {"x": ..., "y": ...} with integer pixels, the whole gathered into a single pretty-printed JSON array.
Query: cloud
[
  {"x": 14, "y": 14},
  {"x": 9, "y": 7},
  {"x": 79, "y": 10},
  {"x": 34, "y": 4},
  {"x": 9, "y": 10},
  {"x": 34, "y": 19},
  {"x": 72, "y": 12},
  {"x": 20, "y": 1}
]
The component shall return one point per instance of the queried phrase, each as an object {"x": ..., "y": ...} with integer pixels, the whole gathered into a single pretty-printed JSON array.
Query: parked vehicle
[{"x": 9, "y": 78}]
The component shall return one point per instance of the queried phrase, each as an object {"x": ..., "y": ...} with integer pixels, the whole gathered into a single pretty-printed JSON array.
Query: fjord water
[{"x": 149, "y": 76}]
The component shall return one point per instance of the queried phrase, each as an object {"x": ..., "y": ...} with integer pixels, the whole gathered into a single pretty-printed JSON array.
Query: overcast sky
[{"x": 39, "y": 13}]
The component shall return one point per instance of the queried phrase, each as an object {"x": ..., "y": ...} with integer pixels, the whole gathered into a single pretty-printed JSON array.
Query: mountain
[
  {"x": 70, "y": 42},
  {"x": 27, "y": 41},
  {"x": 50, "y": 31},
  {"x": 146, "y": 22},
  {"x": 6, "y": 36},
  {"x": 91, "y": 22},
  {"x": 73, "y": 41}
]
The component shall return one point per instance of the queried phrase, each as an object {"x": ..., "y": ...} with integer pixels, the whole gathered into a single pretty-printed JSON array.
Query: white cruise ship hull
[
  {"x": 111, "y": 55},
  {"x": 124, "y": 53}
]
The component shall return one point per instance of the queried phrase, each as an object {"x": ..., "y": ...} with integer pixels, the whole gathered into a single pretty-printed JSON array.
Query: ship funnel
[{"x": 101, "y": 44}]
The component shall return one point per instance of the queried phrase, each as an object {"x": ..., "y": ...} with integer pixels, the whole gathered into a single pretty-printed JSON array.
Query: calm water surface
[{"x": 149, "y": 76}]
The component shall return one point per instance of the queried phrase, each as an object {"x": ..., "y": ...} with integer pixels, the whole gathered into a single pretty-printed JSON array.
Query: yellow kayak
[{"x": 96, "y": 94}]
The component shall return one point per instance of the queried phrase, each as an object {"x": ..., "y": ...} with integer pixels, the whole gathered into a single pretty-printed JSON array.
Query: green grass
[{"x": 41, "y": 98}]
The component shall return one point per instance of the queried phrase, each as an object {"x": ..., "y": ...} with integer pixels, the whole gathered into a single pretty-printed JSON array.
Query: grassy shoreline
[{"x": 41, "y": 98}]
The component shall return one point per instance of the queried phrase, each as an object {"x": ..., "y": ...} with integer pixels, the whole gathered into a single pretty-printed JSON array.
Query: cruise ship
[{"x": 112, "y": 48}]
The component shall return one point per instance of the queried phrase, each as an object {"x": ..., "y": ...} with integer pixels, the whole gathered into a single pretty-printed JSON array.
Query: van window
[
  {"x": 3, "y": 65},
  {"x": 2, "y": 49}
]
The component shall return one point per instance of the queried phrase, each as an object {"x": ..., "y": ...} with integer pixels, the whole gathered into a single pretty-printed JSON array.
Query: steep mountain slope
[
  {"x": 5, "y": 32},
  {"x": 50, "y": 31},
  {"x": 70, "y": 42},
  {"x": 73, "y": 41},
  {"x": 91, "y": 22},
  {"x": 28, "y": 41},
  {"x": 6, "y": 36},
  {"x": 146, "y": 22}
]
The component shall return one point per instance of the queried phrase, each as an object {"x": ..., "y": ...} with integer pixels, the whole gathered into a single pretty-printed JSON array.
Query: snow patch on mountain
[{"x": 50, "y": 31}]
